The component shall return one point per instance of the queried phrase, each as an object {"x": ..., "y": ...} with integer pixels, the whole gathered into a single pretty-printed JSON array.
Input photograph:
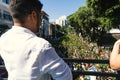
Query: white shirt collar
[{"x": 20, "y": 28}]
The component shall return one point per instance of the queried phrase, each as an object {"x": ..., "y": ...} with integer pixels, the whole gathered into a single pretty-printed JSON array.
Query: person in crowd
[
  {"x": 27, "y": 56},
  {"x": 92, "y": 68}
]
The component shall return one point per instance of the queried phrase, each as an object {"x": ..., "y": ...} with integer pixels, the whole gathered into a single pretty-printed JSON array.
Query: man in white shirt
[{"x": 26, "y": 56}]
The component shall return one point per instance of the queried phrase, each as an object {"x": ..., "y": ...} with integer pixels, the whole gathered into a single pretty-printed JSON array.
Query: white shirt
[
  {"x": 94, "y": 69},
  {"x": 28, "y": 57}
]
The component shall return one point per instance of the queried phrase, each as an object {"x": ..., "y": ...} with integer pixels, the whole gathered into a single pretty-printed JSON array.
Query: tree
[
  {"x": 101, "y": 6},
  {"x": 96, "y": 18},
  {"x": 73, "y": 22},
  {"x": 85, "y": 21},
  {"x": 106, "y": 8}
]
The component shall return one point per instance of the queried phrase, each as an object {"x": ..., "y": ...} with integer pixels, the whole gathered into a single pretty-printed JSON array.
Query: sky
[{"x": 58, "y": 8}]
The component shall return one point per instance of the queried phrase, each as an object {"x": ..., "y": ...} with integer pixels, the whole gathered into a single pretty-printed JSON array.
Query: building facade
[
  {"x": 44, "y": 29},
  {"x": 6, "y": 21},
  {"x": 5, "y": 16},
  {"x": 62, "y": 21},
  {"x": 6, "y": 1}
]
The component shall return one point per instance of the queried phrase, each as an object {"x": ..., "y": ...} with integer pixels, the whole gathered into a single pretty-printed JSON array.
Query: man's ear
[{"x": 34, "y": 16}]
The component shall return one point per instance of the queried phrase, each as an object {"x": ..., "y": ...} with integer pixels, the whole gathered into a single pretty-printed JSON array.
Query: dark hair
[{"x": 21, "y": 8}]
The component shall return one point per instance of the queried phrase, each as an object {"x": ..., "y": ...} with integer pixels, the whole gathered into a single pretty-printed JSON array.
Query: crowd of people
[
  {"x": 94, "y": 68},
  {"x": 101, "y": 54}
]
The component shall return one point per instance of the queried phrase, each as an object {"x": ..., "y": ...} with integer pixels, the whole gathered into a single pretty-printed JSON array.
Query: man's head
[{"x": 26, "y": 13}]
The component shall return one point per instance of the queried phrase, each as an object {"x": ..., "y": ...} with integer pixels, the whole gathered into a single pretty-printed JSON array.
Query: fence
[{"x": 76, "y": 73}]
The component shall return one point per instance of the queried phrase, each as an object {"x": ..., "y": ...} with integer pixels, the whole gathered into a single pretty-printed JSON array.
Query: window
[
  {"x": 6, "y": 15},
  {"x": 0, "y": 14},
  {"x": 6, "y": 1}
]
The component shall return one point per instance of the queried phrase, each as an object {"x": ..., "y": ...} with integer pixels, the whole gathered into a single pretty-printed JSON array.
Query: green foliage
[
  {"x": 83, "y": 21},
  {"x": 72, "y": 21},
  {"x": 75, "y": 44},
  {"x": 101, "y": 6},
  {"x": 106, "y": 8},
  {"x": 97, "y": 15}
]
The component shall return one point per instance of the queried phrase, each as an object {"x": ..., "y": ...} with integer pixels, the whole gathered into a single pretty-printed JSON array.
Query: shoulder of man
[{"x": 42, "y": 42}]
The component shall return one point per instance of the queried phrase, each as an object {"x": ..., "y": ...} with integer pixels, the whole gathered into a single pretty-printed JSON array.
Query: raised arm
[{"x": 115, "y": 56}]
